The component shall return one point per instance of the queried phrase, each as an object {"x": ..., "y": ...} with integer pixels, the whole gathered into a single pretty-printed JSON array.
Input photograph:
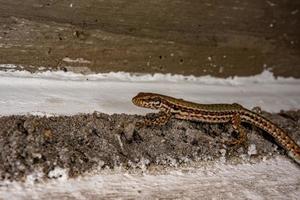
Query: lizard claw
[{"x": 239, "y": 141}]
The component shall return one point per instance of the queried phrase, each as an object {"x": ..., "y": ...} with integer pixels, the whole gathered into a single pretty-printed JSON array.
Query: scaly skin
[{"x": 215, "y": 113}]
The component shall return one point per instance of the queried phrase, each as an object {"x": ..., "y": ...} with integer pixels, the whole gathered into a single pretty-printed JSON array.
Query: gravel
[{"x": 87, "y": 142}]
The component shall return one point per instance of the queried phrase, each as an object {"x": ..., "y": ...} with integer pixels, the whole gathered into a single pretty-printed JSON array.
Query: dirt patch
[{"x": 87, "y": 142}]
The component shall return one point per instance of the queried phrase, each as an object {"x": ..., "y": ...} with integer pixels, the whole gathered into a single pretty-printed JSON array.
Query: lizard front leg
[
  {"x": 236, "y": 124},
  {"x": 161, "y": 119}
]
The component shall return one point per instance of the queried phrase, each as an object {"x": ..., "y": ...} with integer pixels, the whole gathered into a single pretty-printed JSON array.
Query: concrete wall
[{"x": 222, "y": 38}]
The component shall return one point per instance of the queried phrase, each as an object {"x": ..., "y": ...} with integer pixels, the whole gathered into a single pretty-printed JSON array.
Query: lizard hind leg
[{"x": 236, "y": 124}]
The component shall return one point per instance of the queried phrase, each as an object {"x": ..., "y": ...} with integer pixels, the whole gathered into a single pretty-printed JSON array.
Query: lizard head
[{"x": 147, "y": 100}]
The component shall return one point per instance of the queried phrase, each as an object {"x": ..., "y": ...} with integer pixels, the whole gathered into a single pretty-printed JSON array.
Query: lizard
[{"x": 214, "y": 113}]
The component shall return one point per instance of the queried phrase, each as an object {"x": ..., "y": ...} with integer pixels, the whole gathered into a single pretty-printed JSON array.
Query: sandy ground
[
  {"x": 83, "y": 143},
  {"x": 221, "y": 38}
]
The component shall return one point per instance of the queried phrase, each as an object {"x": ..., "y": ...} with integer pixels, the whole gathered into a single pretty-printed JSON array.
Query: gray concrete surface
[{"x": 276, "y": 179}]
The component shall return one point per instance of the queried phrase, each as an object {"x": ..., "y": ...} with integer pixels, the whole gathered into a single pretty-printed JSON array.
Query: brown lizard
[{"x": 214, "y": 113}]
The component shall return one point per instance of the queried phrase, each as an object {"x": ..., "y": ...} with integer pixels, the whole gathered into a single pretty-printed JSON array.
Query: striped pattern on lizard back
[{"x": 215, "y": 113}]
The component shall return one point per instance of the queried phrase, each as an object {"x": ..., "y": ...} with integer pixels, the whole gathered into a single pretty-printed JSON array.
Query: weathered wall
[{"x": 197, "y": 37}]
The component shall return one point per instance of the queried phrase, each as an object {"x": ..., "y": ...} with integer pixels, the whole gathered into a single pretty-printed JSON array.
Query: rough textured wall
[{"x": 222, "y": 38}]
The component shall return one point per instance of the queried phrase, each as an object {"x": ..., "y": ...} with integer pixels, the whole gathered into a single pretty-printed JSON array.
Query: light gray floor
[{"x": 271, "y": 179}]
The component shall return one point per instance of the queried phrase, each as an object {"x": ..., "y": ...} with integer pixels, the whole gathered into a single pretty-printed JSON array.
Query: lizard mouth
[{"x": 137, "y": 101}]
